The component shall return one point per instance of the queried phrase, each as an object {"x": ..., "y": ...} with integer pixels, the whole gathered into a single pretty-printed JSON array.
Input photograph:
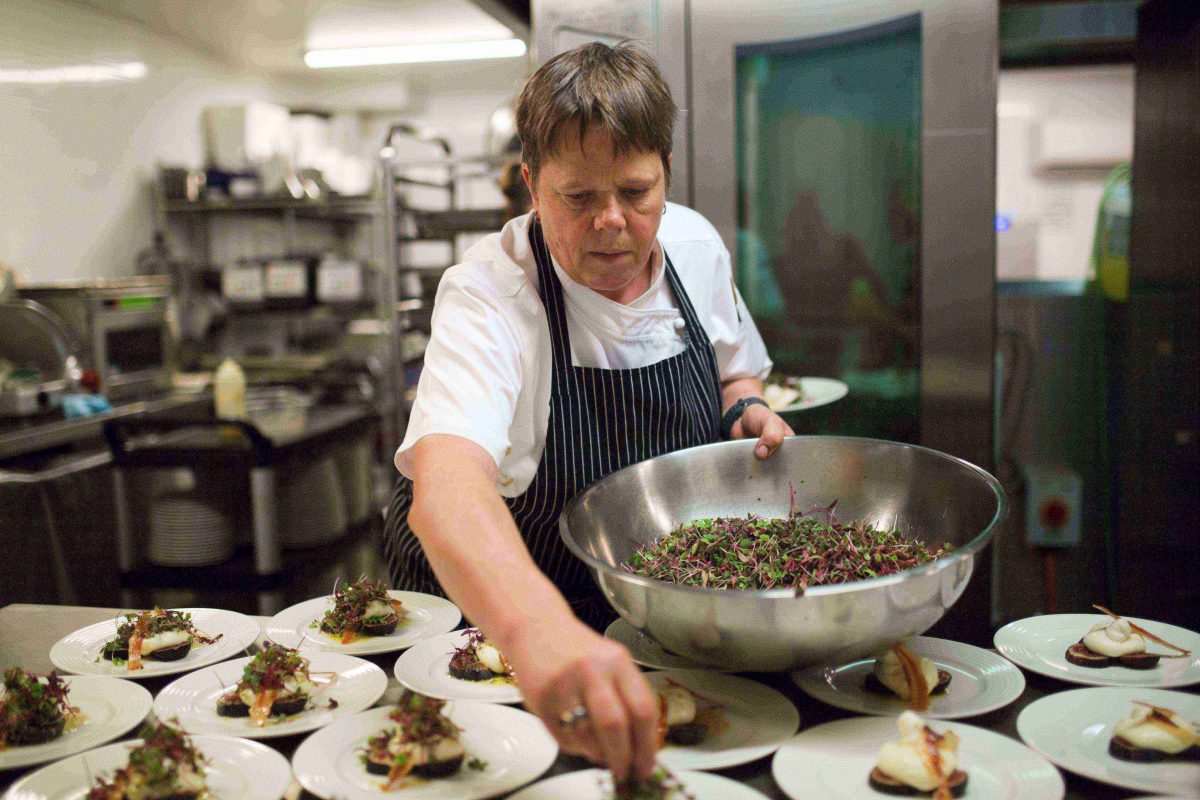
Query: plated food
[
  {"x": 712, "y": 721},
  {"x": 362, "y": 608},
  {"x": 102, "y": 648},
  {"x": 276, "y": 682},
  {"x": 910, "y": 677},
  {"x": 1117, "y": 641},
  {"x": 966, "y": 681},
  {"x": 480, "y": 660},
  {"x": 233, "y": 769},
  {"x": 275, "y": 693},
  {"x": 460, "y": 665},
  {"x": 804, "y": 549},
  {"x": 362, "y": 618},
  {"x": 165, "y": 765},
  {"x": 161, "y": 634},
  {"x": 786, "y": 394},
  {"x": 1049, "y": 645},
  {"x": 1119, "y": 735},
  {"x": 921, "y": 762},
  {"x": 870, "y": 758},
  {"x": 420, "y": 741},
  {"x": 594, "y": 784},
  {"x": 35, "y": 709},
  {"x": 503, "y": 748},
  {"x": 43, "y": 718},
  {"x": 1151, "y": 733}
]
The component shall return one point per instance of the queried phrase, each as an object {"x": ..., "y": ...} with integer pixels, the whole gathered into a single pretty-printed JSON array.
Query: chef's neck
[{"x": 635, "y": 288}]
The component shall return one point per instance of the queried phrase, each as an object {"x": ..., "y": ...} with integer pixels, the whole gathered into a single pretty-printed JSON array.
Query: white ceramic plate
[
  {"x": 425, "y": 668},
  {"x": 816, "y": 392},
  {"x": 1039, "y": 644},
  {"x": 427, "y": 615},
  {"x": 649, "y": 653},
  {"x": 236, "y": 770},
  {"x": 513, "y": 745},
  {"x": 759, "y": 719},
  {"x": 79, "y": 652},
  {"x": 832, "y": 762},
  {"x": 595, "y": 784},
  {"x": 1073, "y": 729},
  {"x": 112, "y": 707},
  {"x": 980, "y": 681},
  {"x": 193, "y": 698}
]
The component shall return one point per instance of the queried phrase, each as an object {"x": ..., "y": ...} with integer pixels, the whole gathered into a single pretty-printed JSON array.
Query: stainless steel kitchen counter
[{"x": 19, "y": 437}]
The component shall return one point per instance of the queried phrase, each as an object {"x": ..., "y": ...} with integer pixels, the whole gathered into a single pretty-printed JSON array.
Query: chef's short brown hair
[{"x": 617, "y": 89}]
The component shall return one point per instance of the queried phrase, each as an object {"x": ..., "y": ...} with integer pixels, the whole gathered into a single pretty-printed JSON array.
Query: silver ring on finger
[{"x": 573, "y": 717}]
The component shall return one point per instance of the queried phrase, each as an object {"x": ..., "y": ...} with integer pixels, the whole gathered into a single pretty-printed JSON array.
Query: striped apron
[{"x": 600, "y": 421}]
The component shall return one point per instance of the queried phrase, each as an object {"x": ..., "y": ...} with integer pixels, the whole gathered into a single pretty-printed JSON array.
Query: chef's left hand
[{"x": 764, "y": 423}]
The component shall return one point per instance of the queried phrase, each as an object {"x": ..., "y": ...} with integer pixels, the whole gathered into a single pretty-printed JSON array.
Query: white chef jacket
[{"x": 487, "y": 373}]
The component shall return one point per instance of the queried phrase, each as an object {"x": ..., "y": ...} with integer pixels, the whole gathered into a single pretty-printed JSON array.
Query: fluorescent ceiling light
[
  {"x": 414, "y": 53},
  {"x": 83, "y": 73}
]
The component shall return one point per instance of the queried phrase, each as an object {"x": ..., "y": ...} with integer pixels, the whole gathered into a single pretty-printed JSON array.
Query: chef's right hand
[{"x": 566, "y": 666}]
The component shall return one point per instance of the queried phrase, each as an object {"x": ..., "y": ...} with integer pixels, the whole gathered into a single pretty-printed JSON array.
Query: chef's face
[{"x": 600, "y": 212}]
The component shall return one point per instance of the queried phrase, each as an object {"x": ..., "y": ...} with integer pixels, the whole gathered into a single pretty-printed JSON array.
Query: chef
[{"x": 599, "y": 330}]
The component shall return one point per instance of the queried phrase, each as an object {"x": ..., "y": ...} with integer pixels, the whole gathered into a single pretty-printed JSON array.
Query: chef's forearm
[
  {"x": 736, "y": 389},
  {"x": 474, "y": 547}
]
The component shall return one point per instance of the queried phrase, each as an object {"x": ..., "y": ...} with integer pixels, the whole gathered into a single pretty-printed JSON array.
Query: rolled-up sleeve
[
  {"x": 741, "y": 352},
  {"x": 472, "y": 371}
]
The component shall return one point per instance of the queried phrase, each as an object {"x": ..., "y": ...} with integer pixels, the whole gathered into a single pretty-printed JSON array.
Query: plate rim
[
  {"x": 141, "y": 692},
  {"x": 1092, "y": 690},
  {"x": 305, "y": 646},
  {"x": 275, "y": 732},
  {"x": 703, "y": 775},
  {"x": 752, "y": 752},
  {"x": 313, "y": 740},
  {"x": 798, "y": 676},
  {"x": 163, "y": 668},
  {"x": 696, "y": 665},
  {"x": 264, "y": 751},
  {"x": 1088, "y": 680},
  {"x": 427, "y": 644},
  {"x": 842, "y": 387},
  {"x": 1053, "y": 771}
]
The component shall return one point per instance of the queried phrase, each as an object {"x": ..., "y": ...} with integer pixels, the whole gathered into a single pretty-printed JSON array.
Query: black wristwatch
[{"x": 735, "y": 413}]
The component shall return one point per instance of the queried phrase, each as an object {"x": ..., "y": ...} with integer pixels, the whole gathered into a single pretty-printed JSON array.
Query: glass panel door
[{"x": 829, "y": 199}]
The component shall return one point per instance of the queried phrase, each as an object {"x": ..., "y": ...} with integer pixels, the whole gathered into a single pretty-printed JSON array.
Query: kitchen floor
[{"x": 306, "y": 574}]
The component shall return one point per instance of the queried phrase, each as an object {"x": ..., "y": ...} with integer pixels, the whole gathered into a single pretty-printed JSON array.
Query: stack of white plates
[
  {"x": 188, "y": 530},
  {"x": 312, "y": 510}
]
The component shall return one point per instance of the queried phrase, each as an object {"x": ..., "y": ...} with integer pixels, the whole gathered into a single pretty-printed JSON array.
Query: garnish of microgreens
[{"x": 795, "y": 552}]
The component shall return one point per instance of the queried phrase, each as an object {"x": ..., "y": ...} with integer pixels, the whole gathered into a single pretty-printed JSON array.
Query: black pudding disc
[{"x": 880, "y": 781}]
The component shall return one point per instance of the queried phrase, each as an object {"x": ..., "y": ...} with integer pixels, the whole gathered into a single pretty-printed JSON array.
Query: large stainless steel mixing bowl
[{"x": 920, "y": 492}]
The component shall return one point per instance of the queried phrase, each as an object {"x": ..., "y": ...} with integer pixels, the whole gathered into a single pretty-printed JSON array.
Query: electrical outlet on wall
[{"x": 1053, "y": 505}]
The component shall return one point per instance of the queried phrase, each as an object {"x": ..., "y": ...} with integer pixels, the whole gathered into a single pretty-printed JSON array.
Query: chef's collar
[{"x": 578, "y": 290}]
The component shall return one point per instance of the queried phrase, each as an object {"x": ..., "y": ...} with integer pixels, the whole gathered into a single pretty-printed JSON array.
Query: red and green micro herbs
[{"x": 791, "y": 553}]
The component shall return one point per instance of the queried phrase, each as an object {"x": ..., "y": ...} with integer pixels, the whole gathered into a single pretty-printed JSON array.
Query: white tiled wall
[{"x": 1052, "y": 212}]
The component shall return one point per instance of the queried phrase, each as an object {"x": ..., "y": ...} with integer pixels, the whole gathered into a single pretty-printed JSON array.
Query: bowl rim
[{"x": 945, "y": 562}]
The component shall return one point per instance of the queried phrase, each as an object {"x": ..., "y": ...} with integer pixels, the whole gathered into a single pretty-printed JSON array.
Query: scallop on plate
[
  {"x": 1039, "y": 644},
  {"x": 1074, "y": 729},
  {"x": 82, "y": 652},
  {"x": 505, "y": 748},
  {"x": 979, "y": 682},
  {"x": 345, "y": 686},
  {"x": 108, "y": 708},
  {"x": 236, "y": 770},
  {"x": 719, "y": 721},
  {"x": 425, "y": 668},
  {"x": 425, "y": 615},
  {"x": 834, "y": 761},
  {"x": 595, "y": 784}
]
